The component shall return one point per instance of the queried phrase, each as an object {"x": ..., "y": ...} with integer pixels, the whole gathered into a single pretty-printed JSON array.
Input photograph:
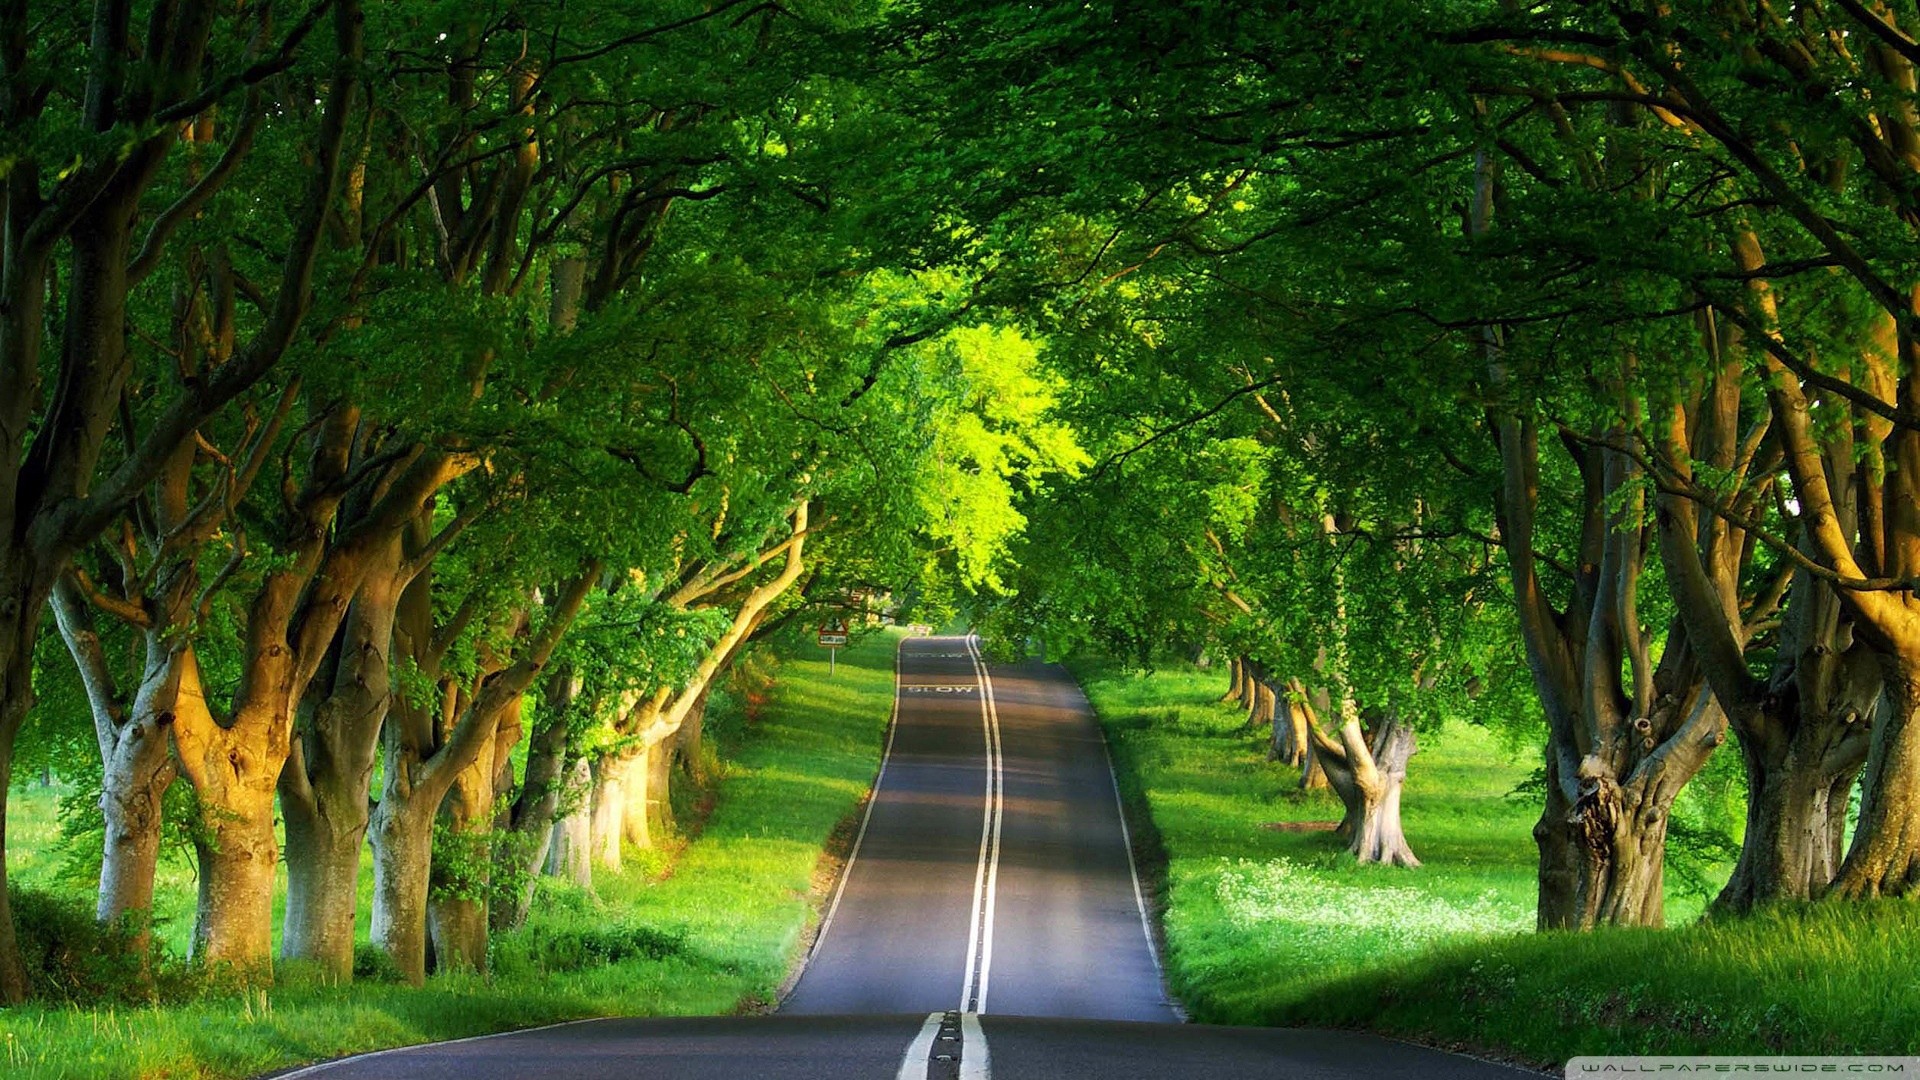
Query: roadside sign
[{"x": 832, "y": 636}]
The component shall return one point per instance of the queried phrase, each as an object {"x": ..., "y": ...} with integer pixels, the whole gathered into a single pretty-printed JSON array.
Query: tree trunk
[
  {"x": 1289, "y": 743},
  {"x": 570, "y": 856},
  {"x": 323, "y": 890},
  {"x": 1795, "y": 836},
  {"x": 1885, "y": 857},
  {"x": 1802, "y": 760},
  {"x": 1559, "y": 868},
  {"x": 458, "y": 926},
  {"x": 1236, "y": 680},
  {"x": 661, "y": 825},
  {"x": 136, "y": 758},
  {"x": 326, "y": 785},
  {"x": 133, "y": 786},
  {"x": 608, "y": 814},
  {"x": 19, "y": 614},
  {"x": 1367, "y": 770},
  {"x": 1313, "y": 772},
  {"x": 689, "y": 743},
  {"x": 1378, "y": 836},
  {"x": 233, "y": 769},
  {"x": 521, "y": 851},
  {"x": 402, "y": 834},
  {"x": 1261, "y": 712},
  {"x": 139, "y": 768},
  {"x": 233, "y": 925},
  {"x": 1603, "y": 841},
  {"x": 463, "y": 869}
]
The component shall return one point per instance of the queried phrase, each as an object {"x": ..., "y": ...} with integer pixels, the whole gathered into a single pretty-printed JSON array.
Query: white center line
[
  {"x": 975, "y": 1062},
  {"x": 914, "y": 1065},
  {"x": 973, "y": 991}
]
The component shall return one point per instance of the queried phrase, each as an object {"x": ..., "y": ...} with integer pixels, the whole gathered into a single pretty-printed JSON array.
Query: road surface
[{"x": 989, "y": 924}]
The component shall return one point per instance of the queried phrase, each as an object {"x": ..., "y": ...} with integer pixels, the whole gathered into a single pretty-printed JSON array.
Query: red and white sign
[{"x": 833, "y": 635}]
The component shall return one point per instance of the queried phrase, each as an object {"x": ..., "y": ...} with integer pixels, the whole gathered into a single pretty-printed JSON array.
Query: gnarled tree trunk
[
  {"x": 1367, "y": 768},
  {"x": 1803, "y": 742},
  {"x": 425, "y": 749},
  {"x": 1885, "y": 857},
  {"x": 233, "y": 768},
  {"x": 326, "y": 785},
  {"x": 136, "y": 757}
]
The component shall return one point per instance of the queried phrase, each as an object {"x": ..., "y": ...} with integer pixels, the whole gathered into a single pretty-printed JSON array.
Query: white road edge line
[
  {"x": 1133, "y": 869},
  {"x": 914, "y": 1065},
  {"x": 321, "y": 1066},
  {"x": 846, "y": 872},
  {"x": 975, "y": 1062}
]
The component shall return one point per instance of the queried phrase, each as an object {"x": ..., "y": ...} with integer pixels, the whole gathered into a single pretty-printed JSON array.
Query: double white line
[
  {"x": 969, "y": 1041},
  {"x": 973, "y": 992}
]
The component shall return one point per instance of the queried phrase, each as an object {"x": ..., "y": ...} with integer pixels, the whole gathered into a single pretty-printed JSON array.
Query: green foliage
[
  {"x": 462, "y": 863},
  {"x": 74, "y": 958},
  {"x": 555, "y": 950}
]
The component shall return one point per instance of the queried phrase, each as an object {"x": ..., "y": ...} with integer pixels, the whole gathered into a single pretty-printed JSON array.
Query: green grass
[
  {"x": 1265, "y": 926},
  {"x": 716, "y": 934}
]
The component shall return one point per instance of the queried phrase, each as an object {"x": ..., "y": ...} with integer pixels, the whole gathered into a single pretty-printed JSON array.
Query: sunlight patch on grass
[{"x": 1320, "y": 920}]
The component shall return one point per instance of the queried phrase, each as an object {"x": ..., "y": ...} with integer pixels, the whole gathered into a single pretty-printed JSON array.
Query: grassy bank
[
  {"x": 1268, "y": 921},
  {"x": 713, "y": 932}
]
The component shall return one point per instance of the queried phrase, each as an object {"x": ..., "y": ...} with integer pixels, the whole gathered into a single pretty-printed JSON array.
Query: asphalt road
[{"x": 989, "y": 924}]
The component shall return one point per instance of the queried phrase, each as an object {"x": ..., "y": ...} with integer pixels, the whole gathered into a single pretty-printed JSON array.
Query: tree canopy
[{"x": 450, "y": 396}]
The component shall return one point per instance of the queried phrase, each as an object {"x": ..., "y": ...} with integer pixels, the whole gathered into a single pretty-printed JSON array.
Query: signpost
[{"x": 832, "y": 637}]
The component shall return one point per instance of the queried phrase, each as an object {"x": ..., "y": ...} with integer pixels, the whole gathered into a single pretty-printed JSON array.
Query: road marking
[
  {"x": 973, "y": 991},
  {"x": 322, "y": 1066},
  {"x": 914, "y": 1065},
  {"x": 939, "y": 688},
  {"x": 975, "y": 1062},
  {"x": 846, "y": 872}
]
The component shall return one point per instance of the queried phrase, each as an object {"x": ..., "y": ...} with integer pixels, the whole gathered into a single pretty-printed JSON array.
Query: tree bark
[
  {"x": 19, "y": 616},
  {"x": 1885, "y": 857},
  {"x": 233, "y": 924},
  {"x": 326, "y": 785},
  {"x": 1261, "y": 712},
  {"x": 571, "y": 854},
  {"x": 608, "y": 814},
  {"x": 137, "y": 761},
  {"x": 402, "y": 835},
  {"x": 1803, "y": 742},
  {"x": 1367, "y": 769},
  {"x": 522, "y": 851},
  {"x": 425, "y": 749},
  {"x": 661, "y": 758},
  {"x": 1236, "y": 680},
  {"x": 1289, "y": 744}
]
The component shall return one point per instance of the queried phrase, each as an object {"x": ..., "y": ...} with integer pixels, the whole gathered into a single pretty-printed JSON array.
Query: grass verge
[
  {"x": 715, "y": 932},
  {"x": 1268, "y": 921}
]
